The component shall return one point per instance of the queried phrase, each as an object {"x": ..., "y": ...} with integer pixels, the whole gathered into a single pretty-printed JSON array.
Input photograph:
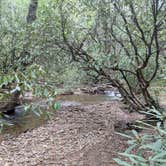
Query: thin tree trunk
[{"x": 31, "y": 17}]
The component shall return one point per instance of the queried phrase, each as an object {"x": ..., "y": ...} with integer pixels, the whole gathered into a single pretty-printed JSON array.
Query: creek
[
  {"x": 22, "y": 122},
  {"x": 19, "y": 123}
]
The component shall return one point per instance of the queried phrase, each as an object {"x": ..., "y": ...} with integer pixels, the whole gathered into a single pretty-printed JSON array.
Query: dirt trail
[{"x": 77, "y": 136}]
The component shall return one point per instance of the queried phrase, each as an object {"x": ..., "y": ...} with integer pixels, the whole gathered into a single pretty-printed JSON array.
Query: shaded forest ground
[{"x": 76, "y": 136}]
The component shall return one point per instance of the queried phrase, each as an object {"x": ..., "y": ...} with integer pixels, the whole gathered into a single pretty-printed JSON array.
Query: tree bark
[{"x": 31, "y": 17}]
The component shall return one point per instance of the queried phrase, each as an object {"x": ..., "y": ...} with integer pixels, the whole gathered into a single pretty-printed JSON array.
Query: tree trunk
[{"x": 31, "y": 17}]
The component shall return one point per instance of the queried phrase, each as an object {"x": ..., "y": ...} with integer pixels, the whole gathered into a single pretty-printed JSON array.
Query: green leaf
[
  {"x": 124, "y": 135},
  {"x": 17, "y": 79},
  {"x": 121, "y": 162},
  {"x": 155, "y": 146},
  {"x": 37, "y": 113},
  {"x": 135, "y": 133},
  {"x": 134, "y": 156},
  {"x": 46, "y": 93},
  {"x": 128, "y": 150},
  {"x": 56, "y": 106},
  {"x": 160, "y": 155}
]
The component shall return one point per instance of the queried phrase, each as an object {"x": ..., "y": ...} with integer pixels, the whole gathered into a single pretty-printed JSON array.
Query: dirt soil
[{"x": 76, "y": 136}]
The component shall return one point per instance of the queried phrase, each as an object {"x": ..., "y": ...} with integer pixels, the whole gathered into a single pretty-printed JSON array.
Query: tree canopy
[{"x": 120, "y": 42}]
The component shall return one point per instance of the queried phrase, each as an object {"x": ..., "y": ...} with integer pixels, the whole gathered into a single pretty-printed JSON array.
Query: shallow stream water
[{"x": 30, "y": 120}]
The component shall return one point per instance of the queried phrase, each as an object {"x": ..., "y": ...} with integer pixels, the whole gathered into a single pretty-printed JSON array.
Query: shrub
[{"x": 150, "y": 147}]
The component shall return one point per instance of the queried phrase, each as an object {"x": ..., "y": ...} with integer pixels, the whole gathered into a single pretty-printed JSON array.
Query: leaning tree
[{"x": 121, "y": 41}]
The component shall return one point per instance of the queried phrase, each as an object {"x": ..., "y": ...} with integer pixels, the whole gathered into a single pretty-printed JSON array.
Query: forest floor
[{"x": 76, "y": 136}]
